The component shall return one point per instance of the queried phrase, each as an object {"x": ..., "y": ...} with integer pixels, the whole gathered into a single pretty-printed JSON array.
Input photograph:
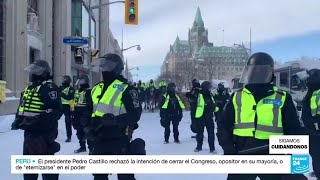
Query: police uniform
[
  {"x": 311, "y": 120},
  {"x": 222, "y": 96},
  {"x": 67, "y": 95},
  {"x": 256, "y": 112},
  {"x": 171, "y": 111},
  {"x": 193, "y": 97},
  {"x": 205, "y": 108},
  {"x": 251, "y": 116},
  {"x": 117, "y": 105},
  {"x": 38, "y": 116},
  {"x": 141, "y": 91},
  {"x": 82, "y": 116}
]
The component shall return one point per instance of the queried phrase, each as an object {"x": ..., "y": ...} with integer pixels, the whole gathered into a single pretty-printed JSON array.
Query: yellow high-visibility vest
[
  {"x": 268, "y": 111},
  {"x": 167, "y": 99},
  {"x": 110, "y": 101},
  {"x": 201, "y": 104}
]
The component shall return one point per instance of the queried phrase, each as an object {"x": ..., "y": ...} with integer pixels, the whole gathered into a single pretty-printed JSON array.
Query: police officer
[
  {"x": 141, "y": 92},
  {"x": 162, "y": 83},
  {"x": 151, "y": 84},
  {"x": 38, "y": 115},
  {"x": 67, "y": 97},
  {"x": 221, "y": 97},
  {"x": 171, "y": 112},
  {"x": 311, "y": 117},
  {"x": 255, "y": 112},
  {"x": 116, "y": 111},
  {"x": 205, "y": 107},
  {"x": 193, "y": 97},
  {"x": 81, "y": 114}
]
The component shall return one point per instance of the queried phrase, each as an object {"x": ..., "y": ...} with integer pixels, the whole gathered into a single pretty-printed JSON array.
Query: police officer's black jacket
[
  {"x": 209, "y": 106},
  {"x": 231, "y": 143},
  {"x": 221, "y": 98},
  {"x": 47, "y": 121},
  {"x": 82, "y": 113},
  {"x": 193, "y": 96},
  {"x": 68, "y": 96},
  {"x": 131, "y": 102},
  {"x": 173, "y": 110},
  {"x": 307, "y": 118}
]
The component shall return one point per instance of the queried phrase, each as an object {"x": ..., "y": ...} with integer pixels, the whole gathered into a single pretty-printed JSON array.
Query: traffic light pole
[
  {"x": 89, "y": 52},
  {"x": 89, "y": 44}
]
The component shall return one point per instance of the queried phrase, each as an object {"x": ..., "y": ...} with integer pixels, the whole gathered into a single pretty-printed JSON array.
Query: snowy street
[{"x": 150, "y": 130}]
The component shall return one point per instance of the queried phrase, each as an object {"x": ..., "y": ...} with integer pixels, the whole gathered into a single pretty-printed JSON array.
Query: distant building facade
[{"x": 198, "y": 58}]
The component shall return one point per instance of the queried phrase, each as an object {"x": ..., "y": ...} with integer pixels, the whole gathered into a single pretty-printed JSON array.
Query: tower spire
[{"x": 198, "y": 19}]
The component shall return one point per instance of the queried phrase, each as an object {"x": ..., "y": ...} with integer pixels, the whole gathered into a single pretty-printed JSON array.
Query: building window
[{"x": 2, "y": 40}]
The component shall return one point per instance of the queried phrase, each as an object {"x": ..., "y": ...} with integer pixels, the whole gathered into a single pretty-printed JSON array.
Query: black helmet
[
  {"x": 313, "y": 77},
  {"x": 206, "y": 86},
  {"x": 83, "y": 80},
  {"x": 259, "y": 69},
  {"x": 109, "y": 63},
  {"x": 66, "y": 80},
  {"x": 151, "y": 81},
  {"x": 139, "y": 81},
  {"x": 220, "y": 86},
  {"x": 171, "y": 87},
  {"x": 195, "y": 83},
  {"x": 39, "y": 68}
]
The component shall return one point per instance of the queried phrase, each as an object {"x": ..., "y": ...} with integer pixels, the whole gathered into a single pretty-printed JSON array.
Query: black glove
[
  {"x": 109, "y": 120},
  {"x": 16, "y": 124}
]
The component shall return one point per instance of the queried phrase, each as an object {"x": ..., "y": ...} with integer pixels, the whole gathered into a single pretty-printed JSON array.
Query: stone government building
[{"x": 198, "y": 58}]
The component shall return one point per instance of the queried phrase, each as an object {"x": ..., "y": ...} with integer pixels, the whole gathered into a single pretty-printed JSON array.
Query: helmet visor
[
  {"x": 303, "y": 75},
  {"x": 35, "y": 69},
  {"x": 102, "y": 64},
  {"x": 257, "y": 74}
]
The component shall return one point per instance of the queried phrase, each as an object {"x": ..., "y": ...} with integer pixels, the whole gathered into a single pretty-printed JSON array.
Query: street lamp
[{"x": 138, "y": 48}]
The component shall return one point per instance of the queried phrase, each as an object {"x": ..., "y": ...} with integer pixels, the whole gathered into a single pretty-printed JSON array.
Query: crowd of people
[{"x": 106, "y": 115}]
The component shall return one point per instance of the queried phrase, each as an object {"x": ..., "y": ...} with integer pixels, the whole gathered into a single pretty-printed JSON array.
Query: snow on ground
[{"x": 150, "y": 130}]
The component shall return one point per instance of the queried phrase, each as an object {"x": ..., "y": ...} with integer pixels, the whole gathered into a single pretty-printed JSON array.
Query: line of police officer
[
  {"x": 251, "y": 115},
  {"x": 105, "y": 116},
  {"x": 255, "y": 112}
]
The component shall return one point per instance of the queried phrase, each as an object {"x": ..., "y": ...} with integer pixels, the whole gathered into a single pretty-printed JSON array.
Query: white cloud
[{"x": 161, "y": 21}]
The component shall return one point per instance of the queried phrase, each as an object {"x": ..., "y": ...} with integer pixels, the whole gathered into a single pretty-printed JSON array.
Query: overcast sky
[{"x": 273, "y": 22}]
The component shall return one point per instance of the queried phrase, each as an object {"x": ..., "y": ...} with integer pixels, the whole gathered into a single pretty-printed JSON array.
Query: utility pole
[
  {"x": 127, "y": 69},
  {"x": 250, "y": 42},
  {"x": 89, "y": 44}
]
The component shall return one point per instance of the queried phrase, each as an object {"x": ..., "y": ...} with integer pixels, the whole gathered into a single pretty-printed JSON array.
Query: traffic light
[
  {"x": 78, "y": 55},
  {"x": 131, "y": 12}
]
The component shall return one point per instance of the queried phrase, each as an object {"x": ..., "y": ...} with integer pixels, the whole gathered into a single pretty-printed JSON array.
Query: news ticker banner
[
  {"x": 160, "y": 164},
  {"x": 176, "y": 164}
]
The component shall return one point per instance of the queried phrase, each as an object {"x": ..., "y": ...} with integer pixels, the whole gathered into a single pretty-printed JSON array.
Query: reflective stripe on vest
[
  {"x": 166, "y": 103},
  {"x": 110, "y": 101},
  {"x": 315, "y": 103},
  {"x": 268, "y": 112},
  {"x": 66, "y": 92},
  {"x": 80, "y": 99},
  {"x": 201, "y": 104},
  {"x": 31, "y": 104}
]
